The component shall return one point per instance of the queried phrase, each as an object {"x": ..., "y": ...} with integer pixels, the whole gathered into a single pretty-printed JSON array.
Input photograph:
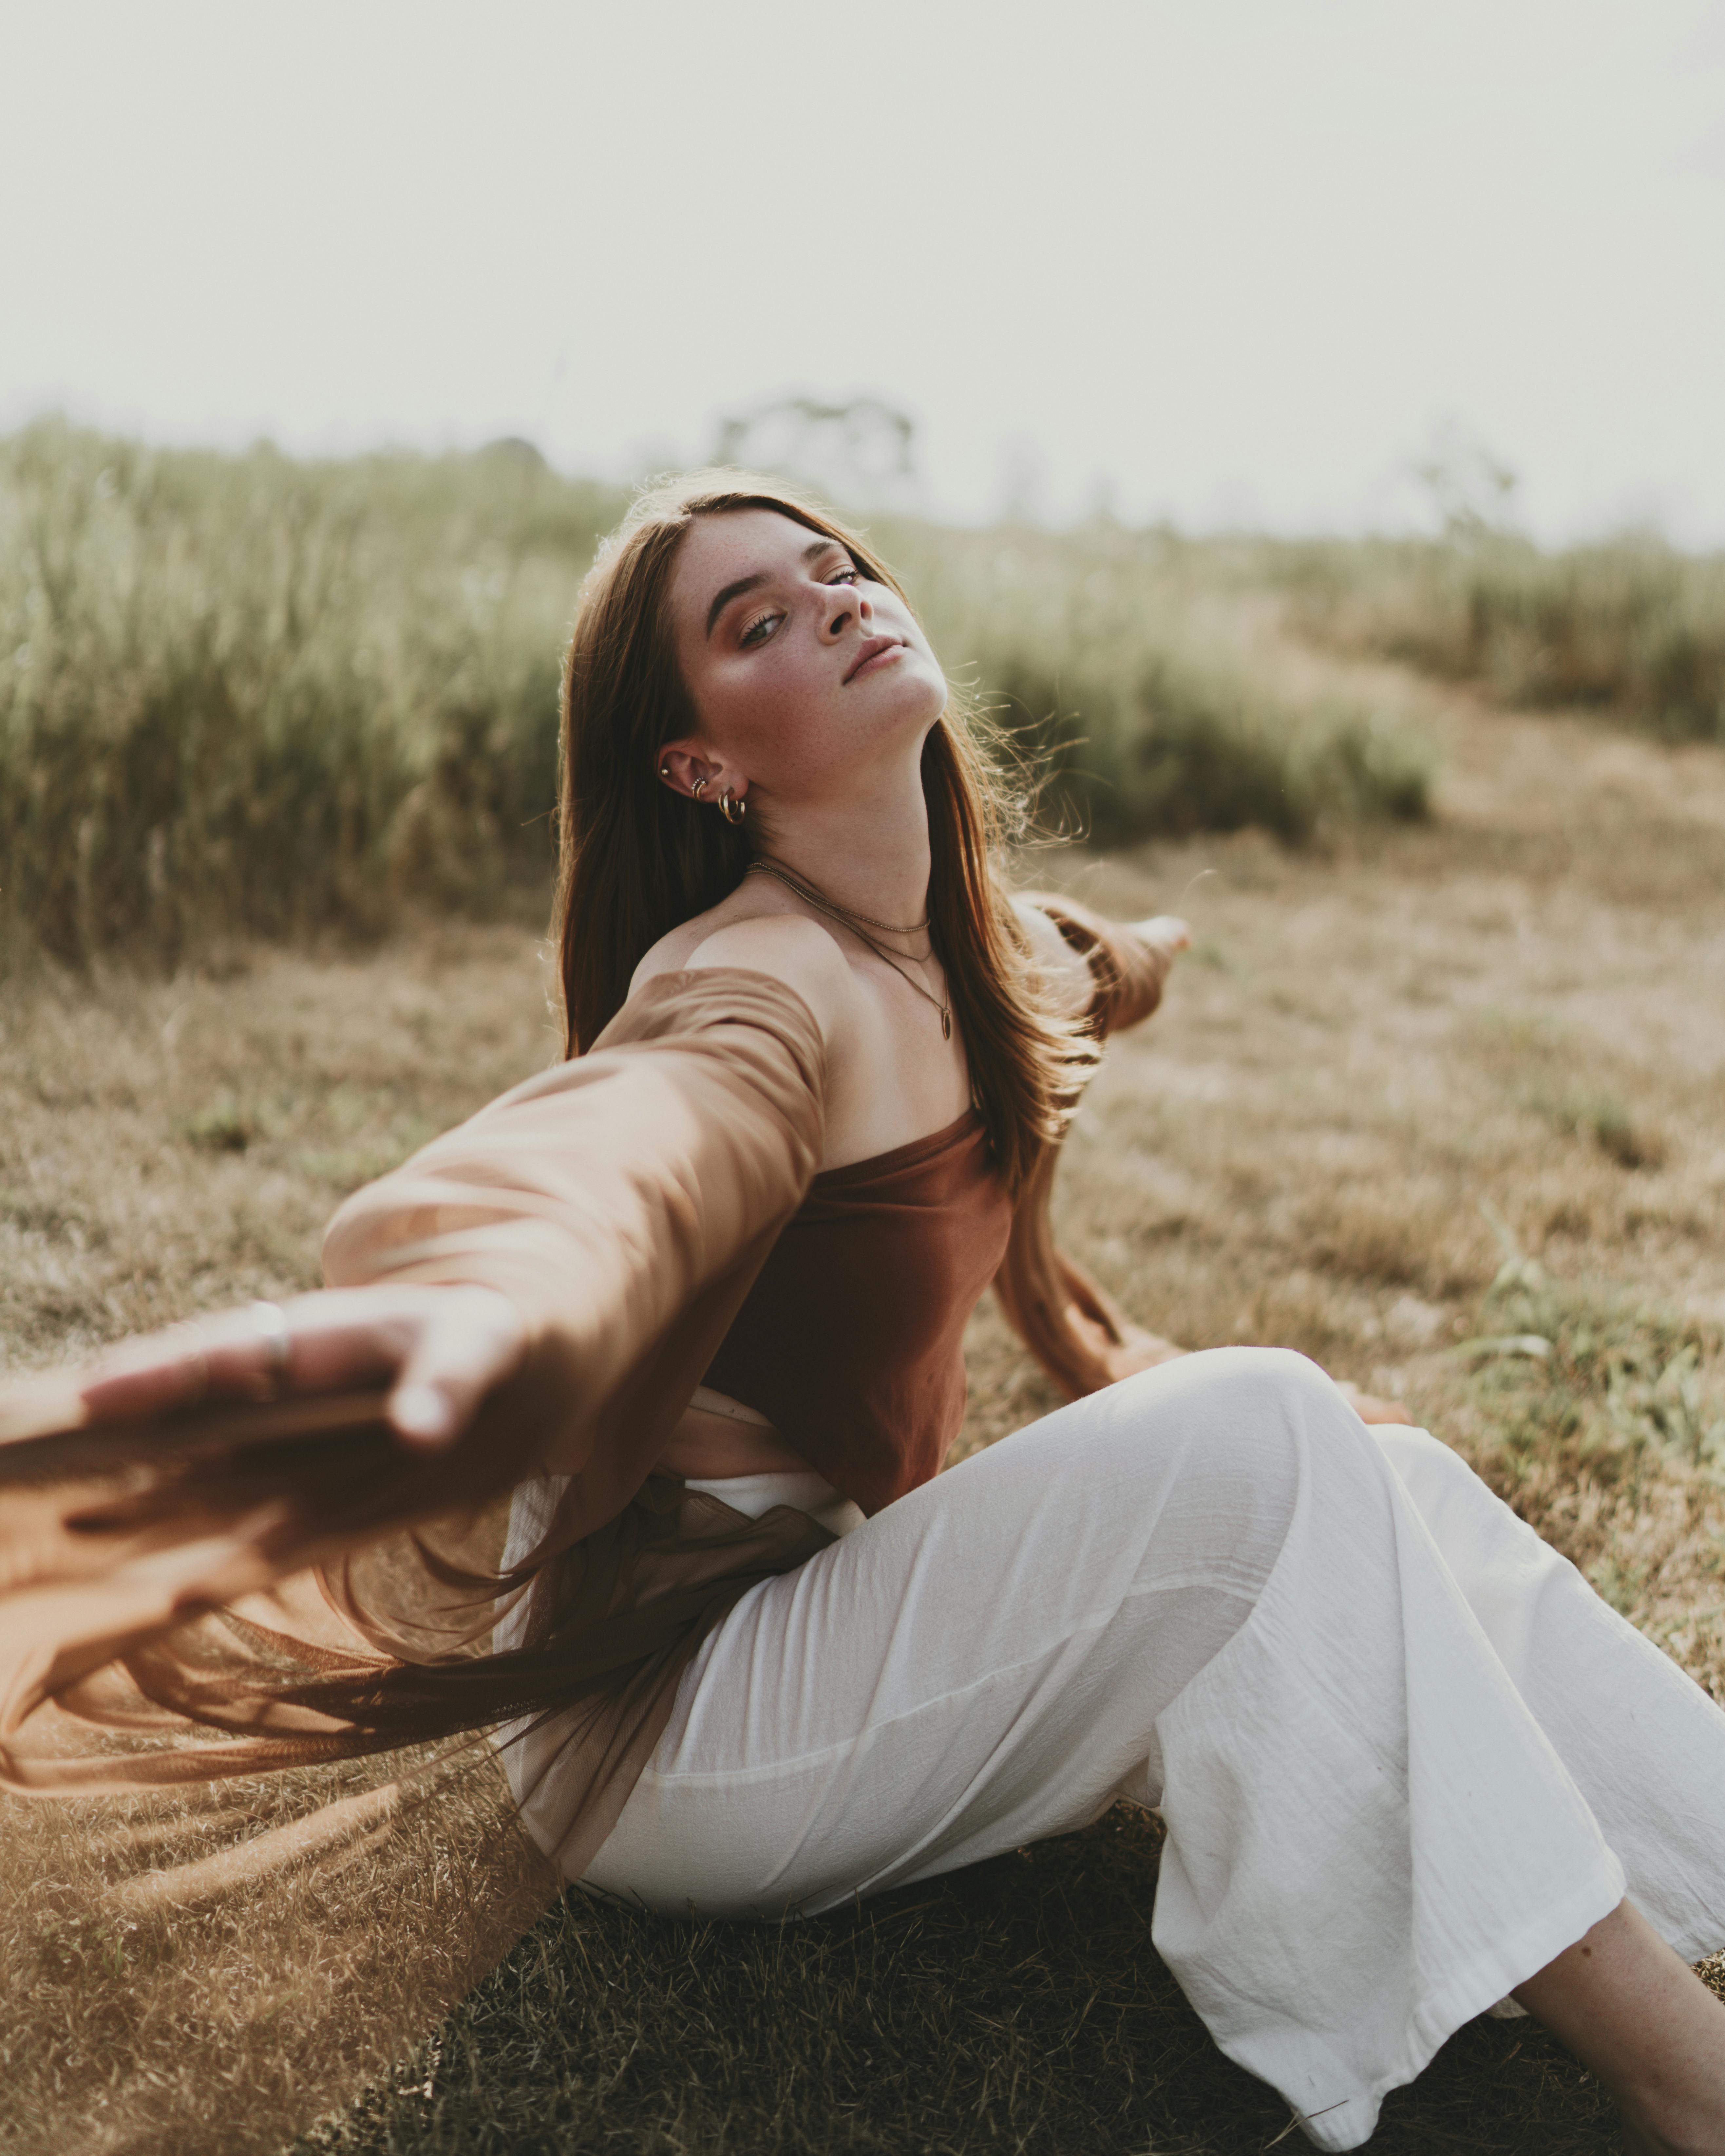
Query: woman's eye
[
  {"x": 757, "y": 630},
  {"x": 850, "y": 574}
]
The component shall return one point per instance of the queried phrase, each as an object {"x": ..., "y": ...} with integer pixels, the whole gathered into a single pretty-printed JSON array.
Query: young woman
[{"x": 692, "y": 1302}]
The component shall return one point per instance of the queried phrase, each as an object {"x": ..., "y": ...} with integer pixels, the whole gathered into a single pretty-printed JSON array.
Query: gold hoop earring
[
  {"x": 700, "y": 788},
  {"x": 731, "y": 808}
]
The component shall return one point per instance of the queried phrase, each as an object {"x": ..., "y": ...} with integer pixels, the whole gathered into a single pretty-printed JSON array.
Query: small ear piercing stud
[{"x": 664, "y": 771}]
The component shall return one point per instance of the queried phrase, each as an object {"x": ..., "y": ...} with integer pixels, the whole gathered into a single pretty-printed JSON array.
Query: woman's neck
[{"x": 869, "y": 852}]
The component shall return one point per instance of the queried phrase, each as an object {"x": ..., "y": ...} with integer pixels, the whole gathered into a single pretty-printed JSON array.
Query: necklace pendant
[{"x": 946, "y": 1024}]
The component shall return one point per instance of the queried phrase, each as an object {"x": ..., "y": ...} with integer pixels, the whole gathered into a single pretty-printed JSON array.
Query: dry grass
[
  {"x": 1018, "y": 2005},
  {"x": 1437, "y": 1085},
  {"x": 160, "y": 1998},
  {"x": 1629, "y": 624},
  {"x": 168, "y": 1147}
]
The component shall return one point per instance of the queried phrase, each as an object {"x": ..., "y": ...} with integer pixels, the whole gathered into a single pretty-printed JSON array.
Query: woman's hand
[
  {"x": 1165, "y": 933},
  {"x": 1369, "y": 1408},
  {"x": 439, "y": 1349}
]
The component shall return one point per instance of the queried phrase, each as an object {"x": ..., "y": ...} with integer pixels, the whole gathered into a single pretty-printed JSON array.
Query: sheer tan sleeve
[
  {"x": 149, "y": 1642},
  {"x": 1127, "y": 973},
  {"x": 622, "y": 1201},
  {"x": 1068, "y": 1321}
]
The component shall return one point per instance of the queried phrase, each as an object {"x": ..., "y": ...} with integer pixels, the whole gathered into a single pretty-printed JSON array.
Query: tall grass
[
  {"x": 1630, "y": 625},
  {"x": 243, "y": 695},
  {"x": 1122, "y": 654}
]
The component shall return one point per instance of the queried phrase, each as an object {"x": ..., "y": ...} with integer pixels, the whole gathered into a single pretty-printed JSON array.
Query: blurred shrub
[
  {"x": 1120, "y": 654},
  {"x": 242, "y": 694},
  {"x": 1631, "y": 626}
]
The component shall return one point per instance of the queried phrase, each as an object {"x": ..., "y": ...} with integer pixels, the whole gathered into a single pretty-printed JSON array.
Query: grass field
[
  {"x": 1419, "y": 1092},
  {"x": 242, "y": 695},
  {"x": 1627, "y": 625},
  {"x": 245, "y": 695}
]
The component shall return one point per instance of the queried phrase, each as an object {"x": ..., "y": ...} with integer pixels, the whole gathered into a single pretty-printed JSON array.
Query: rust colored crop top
[{"x": 851, "y": 1341}]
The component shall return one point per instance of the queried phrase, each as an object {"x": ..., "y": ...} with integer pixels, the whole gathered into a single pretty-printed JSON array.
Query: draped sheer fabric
[{"x": 192, "y": 1603}]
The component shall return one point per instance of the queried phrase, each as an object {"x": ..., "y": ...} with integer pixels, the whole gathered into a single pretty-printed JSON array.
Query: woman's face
[{"x": 802, "y": 672}]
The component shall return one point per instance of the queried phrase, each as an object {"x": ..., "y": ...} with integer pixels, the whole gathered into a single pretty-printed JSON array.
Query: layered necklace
[{"x": 860, "y": 925}]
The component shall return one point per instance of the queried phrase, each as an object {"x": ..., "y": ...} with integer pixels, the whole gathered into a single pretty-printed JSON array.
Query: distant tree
[
  {"x": 861, "y": 453},
  {"x": 515, "y": 449},
  {"x": 1471, "y": 488}
]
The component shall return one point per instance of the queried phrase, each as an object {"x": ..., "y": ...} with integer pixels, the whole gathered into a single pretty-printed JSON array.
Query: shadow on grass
[{"x": 1017, "y": 2006}]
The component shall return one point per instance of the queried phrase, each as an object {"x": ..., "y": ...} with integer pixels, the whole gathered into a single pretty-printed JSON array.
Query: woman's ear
[{"x": 685, "y": 769}]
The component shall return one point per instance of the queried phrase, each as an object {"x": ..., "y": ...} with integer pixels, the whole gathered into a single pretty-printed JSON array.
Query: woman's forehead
[{"x": 735, "y": 542}]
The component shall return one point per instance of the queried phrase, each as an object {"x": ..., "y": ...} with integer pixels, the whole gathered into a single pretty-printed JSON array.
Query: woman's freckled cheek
[{"x": 765, "y": 709}]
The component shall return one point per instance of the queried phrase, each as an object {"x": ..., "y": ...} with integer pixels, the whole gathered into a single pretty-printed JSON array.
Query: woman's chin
[{"x": 913, "y": 697}]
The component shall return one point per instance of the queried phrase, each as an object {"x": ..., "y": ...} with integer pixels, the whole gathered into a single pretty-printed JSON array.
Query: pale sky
[{"x": 1229, "y": 261}]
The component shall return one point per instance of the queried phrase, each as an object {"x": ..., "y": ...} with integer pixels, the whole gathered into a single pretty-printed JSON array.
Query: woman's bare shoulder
[
  {"x": 670, "y": 953},
  {"x": 788, "y": 946}
]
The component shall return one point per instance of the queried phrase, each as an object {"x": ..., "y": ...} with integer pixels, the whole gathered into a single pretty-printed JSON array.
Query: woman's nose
[{"x": 846, "y": 605}]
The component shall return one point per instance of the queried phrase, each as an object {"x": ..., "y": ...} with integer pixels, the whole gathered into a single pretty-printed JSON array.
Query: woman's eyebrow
[
  {"x": 736, "y": 590},
  {"x": 731, "y": 592}
]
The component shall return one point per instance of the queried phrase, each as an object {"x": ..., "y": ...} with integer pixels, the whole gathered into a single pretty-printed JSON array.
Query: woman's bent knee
[
  {"x": 1222, "y": 1440},
  {"x": 1244, "y": 1410}
]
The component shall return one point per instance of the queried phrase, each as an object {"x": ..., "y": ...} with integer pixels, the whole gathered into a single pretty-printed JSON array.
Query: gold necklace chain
[
  {"x": 858, "y": 924},
  {"x": 764, "y": 865}
]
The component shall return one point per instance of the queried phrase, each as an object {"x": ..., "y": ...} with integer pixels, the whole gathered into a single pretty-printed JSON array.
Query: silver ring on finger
[{"x": 275, "y": 1336}]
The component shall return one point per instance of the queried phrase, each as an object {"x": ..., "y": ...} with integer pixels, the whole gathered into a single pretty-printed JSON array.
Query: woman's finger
[
  {"x": 154, "y": 1374},
  {"x": 1167, "y": 932},
  {"x": 1369, "y": 1408},
  {"x": 325, "y": 1342},
  {"x": 249, "y": 1352},
  {"x": 475, "y": 1342}
]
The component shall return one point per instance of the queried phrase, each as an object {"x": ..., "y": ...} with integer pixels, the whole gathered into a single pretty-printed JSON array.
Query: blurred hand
[
  {"x": 439, "y": 1349},
  {"x": 1369, "y": 1408},
  {"x": 1165, "y": 933}
]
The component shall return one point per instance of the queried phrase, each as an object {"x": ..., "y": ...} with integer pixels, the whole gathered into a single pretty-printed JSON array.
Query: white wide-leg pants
[{"x": 1404, "y": 1754}]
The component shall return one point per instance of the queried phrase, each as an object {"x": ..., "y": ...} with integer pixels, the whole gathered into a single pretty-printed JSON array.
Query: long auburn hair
[{"x": 636, "y": 860}]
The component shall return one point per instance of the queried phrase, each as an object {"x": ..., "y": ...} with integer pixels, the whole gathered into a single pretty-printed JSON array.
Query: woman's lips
[{"x": 875, "y": 653}]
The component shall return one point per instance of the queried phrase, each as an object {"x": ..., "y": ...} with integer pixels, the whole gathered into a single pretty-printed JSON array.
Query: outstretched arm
[
  {"x": 1114, "y": 971},
  {"x": 554, "y": 1274},
  {"x": 515, "y": 1237}
]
